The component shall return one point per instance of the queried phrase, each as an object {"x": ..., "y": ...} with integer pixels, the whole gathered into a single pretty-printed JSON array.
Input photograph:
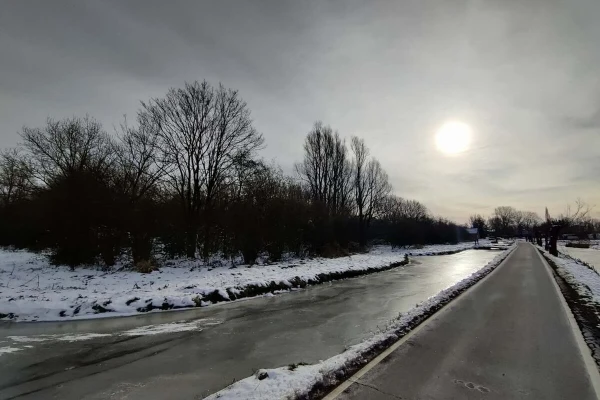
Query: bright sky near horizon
[{"x": 522, "y": 75}]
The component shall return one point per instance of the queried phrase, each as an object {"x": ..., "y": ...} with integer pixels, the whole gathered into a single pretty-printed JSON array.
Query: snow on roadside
[
  {"x": 33, "y": 290},
  {"x": 584, "y": 279},
  {"x": 297, "y": 381},
  {"x": 594, "y": 243}
]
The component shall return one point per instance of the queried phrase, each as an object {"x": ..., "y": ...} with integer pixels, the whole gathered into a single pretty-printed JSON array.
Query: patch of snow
[
  {"x": 33, "y": 290},
  {"x": 83, "y": 336},
  {"x": 29, "y": 339},
  {"x": 181, "y": 326},
  {"x": 172, "y": 327},
  {"x": 585, "y": 280},
  {"x": 8, "y": 350},
  {"x": 223, "y": 293},
  {"x": 291, "y": 383},
  {"x": 61, "y": 338}
]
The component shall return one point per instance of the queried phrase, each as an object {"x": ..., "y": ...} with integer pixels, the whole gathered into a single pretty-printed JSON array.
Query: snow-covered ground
[
  {"x": 584, "y": 279},
  {"x": 296, "y": 381},
  {"x": 594, "y": 244},
  {"x": 586, "y": 256},
  {"x": 33, "y": 290}
]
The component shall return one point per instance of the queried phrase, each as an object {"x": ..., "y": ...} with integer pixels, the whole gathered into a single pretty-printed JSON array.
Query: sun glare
[{"x": 453, "y": 137}]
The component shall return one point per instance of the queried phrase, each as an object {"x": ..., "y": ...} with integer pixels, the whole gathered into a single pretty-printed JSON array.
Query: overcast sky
[{"x": 524, "y": 74}]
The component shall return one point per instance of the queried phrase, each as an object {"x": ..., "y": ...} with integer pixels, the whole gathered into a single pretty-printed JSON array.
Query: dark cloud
[{"x": 522, "y": 73}]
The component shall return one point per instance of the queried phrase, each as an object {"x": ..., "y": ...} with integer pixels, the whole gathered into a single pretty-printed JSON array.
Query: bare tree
[
  {"x": 139, "y": 169},
  {"x": 378, "y": 188},
  {"x": 69, "y": 146},
  {"x": 530, "y": 219},
  {"x": 361, "y": 154},
  {"x": 578, "y": 214},
  {"x": 371, "y": 186},
  {"x": 139, "y": 166},
  {"x": 74, "y": 159},
  {"x": 414, "y": 210},
  {"x": 326, "y": 170},
  {"x": 202, "y": 131},
  {"x": 16, "y": 181},
  {"x": 396, "y": 209},
  {"x": 506, "y": 218}
]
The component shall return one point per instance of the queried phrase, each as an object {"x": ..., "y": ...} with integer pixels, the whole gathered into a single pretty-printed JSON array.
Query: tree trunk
[
  {"x": 191, "y": 240},
  {"x": 207, "y": 232},
  {"x": 362, "y": 232},
  {"x": 141, "y": 247}
]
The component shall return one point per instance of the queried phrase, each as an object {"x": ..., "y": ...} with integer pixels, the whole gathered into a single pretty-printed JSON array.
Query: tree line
[
  {"x": 507, "y": 221},
  {"x": 186, "y": 180}
]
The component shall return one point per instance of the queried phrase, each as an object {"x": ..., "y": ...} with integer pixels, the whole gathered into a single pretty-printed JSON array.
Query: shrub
[{"x": 145, "y": 266}]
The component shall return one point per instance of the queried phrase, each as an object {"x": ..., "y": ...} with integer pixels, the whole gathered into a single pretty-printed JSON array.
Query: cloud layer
[{"x": 523, "y": 74}]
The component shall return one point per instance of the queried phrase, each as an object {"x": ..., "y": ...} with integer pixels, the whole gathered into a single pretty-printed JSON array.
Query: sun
[{"x": 454, "y": 137}]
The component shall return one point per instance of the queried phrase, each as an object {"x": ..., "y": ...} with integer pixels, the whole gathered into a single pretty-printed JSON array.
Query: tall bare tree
[
  {"x": 370, "y": 186},
  {"x": 378, "y": 188},
  {"x": 359, "y": 184},
  {"x": 326, "y": 170},
  {"x": 202, "y": 131},
  {"x": 138, "y": 171}
]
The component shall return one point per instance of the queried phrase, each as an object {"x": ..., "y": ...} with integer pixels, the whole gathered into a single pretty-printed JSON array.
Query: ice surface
[{"x": 33, "y": 290}]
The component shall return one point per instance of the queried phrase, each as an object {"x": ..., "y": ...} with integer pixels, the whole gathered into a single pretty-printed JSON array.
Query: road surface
[
  {"x": 235, "y": 339},
  {"x": 509, "y": 337}
]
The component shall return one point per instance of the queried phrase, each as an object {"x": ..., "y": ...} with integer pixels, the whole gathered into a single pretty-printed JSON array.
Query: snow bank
[
  {"x": 33, "y": 290},
  {"x": 594, "y": 243},
  {"x": 579, "y": 275},
  {"x": 298, "y": 381}
]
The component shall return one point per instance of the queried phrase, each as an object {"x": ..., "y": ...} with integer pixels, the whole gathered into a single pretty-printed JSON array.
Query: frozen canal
[{"x": 189, "y": 354}]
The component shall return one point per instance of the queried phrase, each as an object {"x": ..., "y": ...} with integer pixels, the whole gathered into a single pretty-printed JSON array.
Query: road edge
[{"x": 584, "y": 350}]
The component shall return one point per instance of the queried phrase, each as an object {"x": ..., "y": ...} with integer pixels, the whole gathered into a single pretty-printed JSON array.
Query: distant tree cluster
[
  {"x": 505, "y": 221},
  {"x": 508, "y": 221},
  {"x": 186, "y": 180}
]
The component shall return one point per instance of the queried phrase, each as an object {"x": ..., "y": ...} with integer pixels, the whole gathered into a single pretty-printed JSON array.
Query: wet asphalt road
[
  {"x": 233, "y": 340},
  {"x": 508, "y": 338}
]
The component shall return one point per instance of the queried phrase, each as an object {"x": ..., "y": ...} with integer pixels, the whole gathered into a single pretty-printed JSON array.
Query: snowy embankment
[
  {"x": 582, "y": 277},
  {"x": 33, "y": 290},
  {"x": 579, "y": 283},
  {"x": 308, "y": 381},
  {"x": 594, "y": 243}
]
